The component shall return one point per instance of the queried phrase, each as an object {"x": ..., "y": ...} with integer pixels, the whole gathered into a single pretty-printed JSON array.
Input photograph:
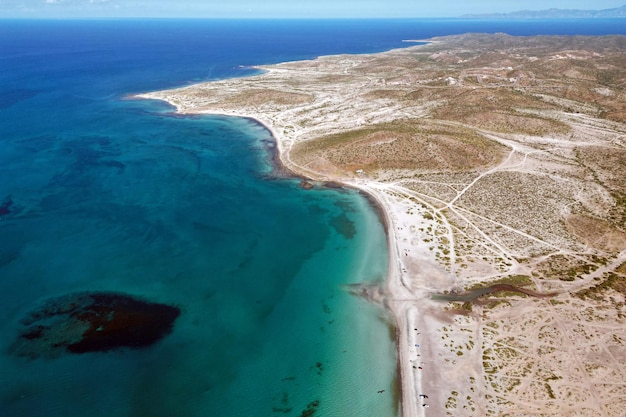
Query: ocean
[{"x": 106, "y": 195}]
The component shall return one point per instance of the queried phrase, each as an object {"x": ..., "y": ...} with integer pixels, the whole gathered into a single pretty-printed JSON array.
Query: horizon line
[{"x": 501, "y": 18}]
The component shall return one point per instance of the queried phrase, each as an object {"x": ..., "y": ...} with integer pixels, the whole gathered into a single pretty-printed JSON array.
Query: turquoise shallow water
[
  {"x": 187, "y": 211},
  {"x": 104, "y": 194}
]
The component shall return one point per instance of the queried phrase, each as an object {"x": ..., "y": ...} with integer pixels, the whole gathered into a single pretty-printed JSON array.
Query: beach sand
[
  {"x": 400, "y": 299},
  {"x": 404, "y": 296}
]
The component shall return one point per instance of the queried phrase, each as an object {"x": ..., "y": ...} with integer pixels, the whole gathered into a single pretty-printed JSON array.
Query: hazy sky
[{"x": 282, "y": 8}]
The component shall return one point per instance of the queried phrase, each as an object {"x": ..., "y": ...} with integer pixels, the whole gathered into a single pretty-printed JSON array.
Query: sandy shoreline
[{"x": 399, "y": 300}]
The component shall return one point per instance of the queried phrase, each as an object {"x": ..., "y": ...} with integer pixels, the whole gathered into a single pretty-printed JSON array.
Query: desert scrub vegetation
[
  {"x": 606, "y": 165},
  {"x": 258, "y": 96},
  {"x": 403, "y": 144},
  {"x": 507, "y": 197},
  {"x": 496, "y": 109},
  {"x": 610, "y": 281},
  {"x": 516, "y": 280},
  {"x": 386, "y": 94},
  {"x": 567, "y": 267},
  {"x": 605, "y": 236}
]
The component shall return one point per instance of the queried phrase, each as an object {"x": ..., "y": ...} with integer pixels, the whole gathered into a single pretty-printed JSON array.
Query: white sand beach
[{"x": 406, "y": 282}]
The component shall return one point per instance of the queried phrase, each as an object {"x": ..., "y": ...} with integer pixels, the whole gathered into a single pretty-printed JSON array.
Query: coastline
[
  {"x": 400, "y": 301},
  {"x": 471, "y": 191}
]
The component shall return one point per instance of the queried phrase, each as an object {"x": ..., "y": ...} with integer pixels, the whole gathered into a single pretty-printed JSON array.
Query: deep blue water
[{"x": 102, "y": 193}]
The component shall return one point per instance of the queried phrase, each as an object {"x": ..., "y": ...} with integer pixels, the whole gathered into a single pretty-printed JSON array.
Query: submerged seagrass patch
[{"x": 92, "y": 322}]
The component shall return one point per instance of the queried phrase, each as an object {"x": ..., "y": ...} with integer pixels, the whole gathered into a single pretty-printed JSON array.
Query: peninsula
[
  {"x": 498, "y": 162},
  {"x": 617, "y": 12}
]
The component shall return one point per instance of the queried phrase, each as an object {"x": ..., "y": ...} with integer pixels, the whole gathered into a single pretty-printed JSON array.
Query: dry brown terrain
[{"x": 497, "y": 159}]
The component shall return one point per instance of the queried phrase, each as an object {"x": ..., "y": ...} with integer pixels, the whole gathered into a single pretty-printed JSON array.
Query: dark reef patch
[
  {"x": 343, "y": 225},
  {"x": 93, "y": 322},
  {"x": 306, "y": 185},
  {"x": 5, "y": 206},
  {"x": 310, "y": 409},
  {"x": 13, "y": 96}
]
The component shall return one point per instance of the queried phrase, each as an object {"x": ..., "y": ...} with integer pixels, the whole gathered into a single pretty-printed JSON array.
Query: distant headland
[{"x": 553, "y": 14}]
